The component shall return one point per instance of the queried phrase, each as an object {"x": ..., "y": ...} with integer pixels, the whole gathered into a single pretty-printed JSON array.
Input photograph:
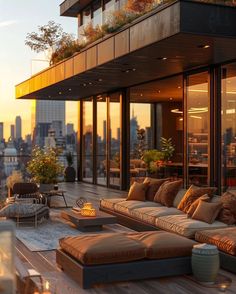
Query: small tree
[{"x": 49, "y": 37}]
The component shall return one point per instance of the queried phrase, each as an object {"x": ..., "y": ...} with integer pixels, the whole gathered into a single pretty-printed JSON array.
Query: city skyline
[{"x": 19, "y": 21}]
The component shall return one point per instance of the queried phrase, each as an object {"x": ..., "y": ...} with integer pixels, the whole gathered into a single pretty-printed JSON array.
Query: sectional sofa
[{"x": 149, "y": 215}]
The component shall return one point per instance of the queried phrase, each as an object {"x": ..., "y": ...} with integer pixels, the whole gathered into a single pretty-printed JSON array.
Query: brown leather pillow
[
  {"x": 138, "y": 191},
  {"x": 206, "y": 211},
  {"x": 194, "y": 205},
  {"x": 167, "y": 192},
  {"x": 228, "y": 213},
  {"x": 154, "y": 185},
  {"x": 192, "y": 194}
]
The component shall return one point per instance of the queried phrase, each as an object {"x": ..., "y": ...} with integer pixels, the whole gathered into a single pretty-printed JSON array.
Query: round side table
[{"x": 205, "y": 262}]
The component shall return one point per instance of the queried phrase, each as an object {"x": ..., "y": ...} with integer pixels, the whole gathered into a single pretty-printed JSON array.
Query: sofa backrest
[{"x": 179, "y": 197}]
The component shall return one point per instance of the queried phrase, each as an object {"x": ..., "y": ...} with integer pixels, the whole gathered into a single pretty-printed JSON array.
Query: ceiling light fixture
[
  {"x": 70, "y": 89},
  {"x": 206, "y": 46},
  {"x": 161, "y": 58},
  {"x": 99, "y": 80},
  {"x": 60, "y": 93}
]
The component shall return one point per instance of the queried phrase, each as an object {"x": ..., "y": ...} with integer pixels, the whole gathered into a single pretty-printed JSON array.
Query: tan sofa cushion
[
  {"x": 207, "y": 212},
  {"x": 194, "y": 205},
  {"x": 126, "y": 207},
  {"x": 162, "y": 244},
  {"x": 185, "y": 226},
  {"x": 154, "y": 185},
  {"x": 179, "y": 197},
  {"x": 167, "y": 192},
  {"x": 103, "y": 249},
  {"x": 149, "y": 214},
  {"x": 224, "y": 239},
  {"x": 228, "y": 213},
  {"x": 137, "y": 191},
  {"x": 192, "y": 194},
  {"x": 110, "y": 203}
]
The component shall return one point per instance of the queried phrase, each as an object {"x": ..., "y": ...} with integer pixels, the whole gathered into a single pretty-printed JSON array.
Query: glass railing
[{"x": 9, "y": 164}]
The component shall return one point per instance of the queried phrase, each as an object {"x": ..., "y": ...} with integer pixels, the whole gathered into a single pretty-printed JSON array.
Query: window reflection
[
  {"x": 87, "y": 163},
  {"x": 101, "y": 140},
  {"x": 156, "y": 112},
  {"x": 97, "y": 13},
  {"x": 229, "y": 126},
  {"x": 114, "y": 140},
  {"x": 198, "y": 128}
]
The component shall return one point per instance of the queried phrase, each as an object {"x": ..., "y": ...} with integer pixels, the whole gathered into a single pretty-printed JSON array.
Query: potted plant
[
  {"x": 69, "y": 172},
  {"x": 45, "y": 168},
  {"x": 15, "y": 177},
  {"x": 150, "y": 157},
  {"x": 167, "y": 149}
]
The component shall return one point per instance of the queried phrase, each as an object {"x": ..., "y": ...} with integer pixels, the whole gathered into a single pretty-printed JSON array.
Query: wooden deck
[{"x": 45, "y": 263}]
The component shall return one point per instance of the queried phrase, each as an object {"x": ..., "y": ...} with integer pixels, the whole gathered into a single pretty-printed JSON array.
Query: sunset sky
[{"x": 17, "y": 61}]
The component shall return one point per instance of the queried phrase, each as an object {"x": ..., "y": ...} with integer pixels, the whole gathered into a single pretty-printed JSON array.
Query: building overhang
[
  {"x": 174, "y": 38},
  {"x": 72, "y": 7}
]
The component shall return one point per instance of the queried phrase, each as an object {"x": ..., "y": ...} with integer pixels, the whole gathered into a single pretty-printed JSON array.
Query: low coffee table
[{"x": 89, "y": 223}]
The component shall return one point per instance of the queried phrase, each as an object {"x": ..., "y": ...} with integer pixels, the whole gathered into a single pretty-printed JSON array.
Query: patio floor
[{"x": 45, "y": 262}]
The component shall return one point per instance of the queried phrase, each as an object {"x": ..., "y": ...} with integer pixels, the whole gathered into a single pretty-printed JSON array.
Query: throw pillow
[
  {"x": 192, "y": 194},
  {"x": 194, "y": 205},
  {"x": 206, "y": 211},
  {"x": 138, "y": 191},
  {"x": 167, "y": 193},
  {"x": 228, "y": 213},
  {"x": 154, "y": 185}
]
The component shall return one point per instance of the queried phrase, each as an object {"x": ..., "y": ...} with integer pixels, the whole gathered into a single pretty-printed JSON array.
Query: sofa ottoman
[
  {"x": 104, "y": 258},
  {"x": 225, "y": 240}
]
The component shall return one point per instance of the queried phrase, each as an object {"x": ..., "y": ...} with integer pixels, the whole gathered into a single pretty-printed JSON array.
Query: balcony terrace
[
  {"x": 138, "y": 49},
  {"x": 45, "y": 261}
]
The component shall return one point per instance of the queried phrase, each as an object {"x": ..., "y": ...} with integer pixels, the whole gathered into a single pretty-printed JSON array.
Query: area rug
[{"x": 45, "y": 237}]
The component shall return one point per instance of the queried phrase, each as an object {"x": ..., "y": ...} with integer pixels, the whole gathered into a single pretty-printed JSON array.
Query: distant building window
[{"x": 97, "y": 13}]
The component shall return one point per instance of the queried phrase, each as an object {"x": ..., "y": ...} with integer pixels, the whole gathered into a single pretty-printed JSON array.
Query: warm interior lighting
[
  {"x": 206, "y": 46},
  {"x": 88, "y": 210},
  {"x": 192, "y": 110},
  {"x": 195, "y": 116}
]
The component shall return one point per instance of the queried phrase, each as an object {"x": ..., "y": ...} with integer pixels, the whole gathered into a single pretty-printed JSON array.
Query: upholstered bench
[
  {"x": 112, "y": 257},
  {"x": 225, "y": 240}
]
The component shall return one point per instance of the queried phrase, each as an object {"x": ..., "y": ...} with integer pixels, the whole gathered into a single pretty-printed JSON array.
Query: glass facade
[
  {"x": 228, "y": 126},
  {"x": 156, "y": 115},
  {"x": 170, "y": 133},
  {"x": 87, "y": 141},
  {"x": 198, "y": 128},
  {"x": 101, "y": 160},
  {"x": 114, "y": 140}
]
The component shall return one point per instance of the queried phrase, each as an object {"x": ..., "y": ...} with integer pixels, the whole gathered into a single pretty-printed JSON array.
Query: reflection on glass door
[
  {"x": 101, "y": 140},
  {"x": 228, "y": 122},
  {"x": 114, "y": 140},
  {"x": 87, "y": 162},
  {"x": 198, "y": 128}
]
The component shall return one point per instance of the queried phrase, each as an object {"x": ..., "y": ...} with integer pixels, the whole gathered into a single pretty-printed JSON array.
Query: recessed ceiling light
[
  {"x": 60, "y": 93},
  {"x": 158, "y": 91},
  {"x": 179, "y": 87},
  {"x": 90, "y": 83},
  {"x": 171, "y": 98},
  {"x": 49, "y": 96},
  {"x": 206, "y": 46},
  {"x": 70, "y": 90},
  {"x": 84, "y": 84},
  {"x": 162, "y": 58},
  {"x": 134, "y": 69},
  {"x": 127, "y": 71},
  {"x": 99, "y": 80},
  {"x": 141, "y": 95}
]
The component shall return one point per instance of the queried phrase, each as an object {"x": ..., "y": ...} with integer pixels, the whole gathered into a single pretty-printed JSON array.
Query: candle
[{"x": 88, "y": 205}]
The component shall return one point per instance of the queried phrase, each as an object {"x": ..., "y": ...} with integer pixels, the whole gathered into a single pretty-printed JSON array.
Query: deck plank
[{"x": 45, "y": 262}]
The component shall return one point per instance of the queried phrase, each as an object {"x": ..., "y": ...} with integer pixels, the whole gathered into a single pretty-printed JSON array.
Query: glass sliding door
[
  {"x": 114, "y": 140},
  {"x": 87, "y": 140},
  {"x": 101, "y": 140},
  {"x": 198, "y": 128},
  {"x": 228, "y": 125},
  {"x": 156, "y": 113}
]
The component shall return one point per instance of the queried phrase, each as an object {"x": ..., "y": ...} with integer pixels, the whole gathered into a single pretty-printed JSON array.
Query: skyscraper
[
  {"x": 12, "y": 131},
  {"x": 43, "y": 114},
  {"x": 18, "y": 127},
  {"x": 70, "y": 129},
  {"x": 1, "y": 131}
]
